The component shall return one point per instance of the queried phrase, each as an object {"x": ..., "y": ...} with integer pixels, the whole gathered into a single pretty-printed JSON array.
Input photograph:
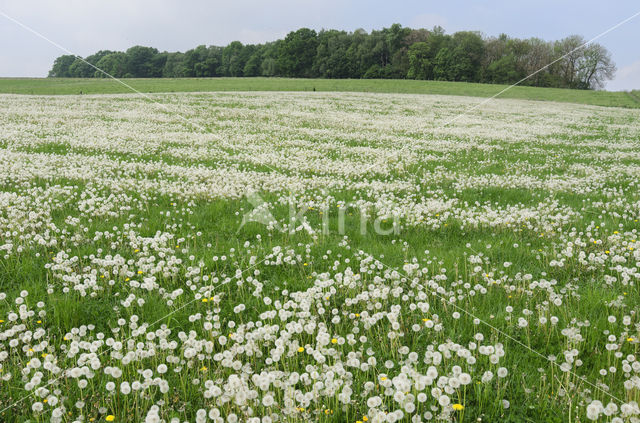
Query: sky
[{"x": 86, "y": 26}]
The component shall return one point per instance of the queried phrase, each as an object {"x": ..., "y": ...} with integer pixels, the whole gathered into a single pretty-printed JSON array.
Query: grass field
[
  {"x": 317, "y": 256},
  {"x": 104, "y": 86}
]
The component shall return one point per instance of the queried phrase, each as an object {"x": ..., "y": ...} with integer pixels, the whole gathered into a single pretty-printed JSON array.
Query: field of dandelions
[{"x": 481, "y": 269}]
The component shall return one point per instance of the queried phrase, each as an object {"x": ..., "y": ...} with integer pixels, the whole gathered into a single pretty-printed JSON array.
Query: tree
[
  {"x": 234, "y": 58},
  {"x": 115, "y": 64},
  {"x": 174, "y": 66},
  {"x": 420, "y": 65},
  {"x": 61, "y": 66},
  {"x": 157, "y": 64},
  {"x": 443, "y": 65},
  {"x": 81, "y": 69},
  {"x": 253, "y": 67},
  {"x": 397, "y": 45},
  {"x": 394, "y": 52},
  {"x": 533, "y": 55},
  {"x": 297, "y": 52},
  {"x": 332, "y": 59},
  {"x": 571, "y": 51},
  {"x": 140, "y": 61},
  {"x": 595, "y": 67},
  {"x": 503, "y": 71},
  {"x": 467, "y": 51},
  {"x": 85, "y": 68},
  {"x": 269, "y": 65}
]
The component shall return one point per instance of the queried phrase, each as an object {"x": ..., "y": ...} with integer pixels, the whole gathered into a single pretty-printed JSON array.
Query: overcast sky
[{"x": 86, "y": 26}]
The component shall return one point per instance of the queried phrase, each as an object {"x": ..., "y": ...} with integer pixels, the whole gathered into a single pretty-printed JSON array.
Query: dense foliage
[{"x": 395, "y": 52}]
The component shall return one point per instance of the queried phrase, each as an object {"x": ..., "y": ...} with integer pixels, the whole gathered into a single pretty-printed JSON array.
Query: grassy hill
[{"x": 99, "y": 86}]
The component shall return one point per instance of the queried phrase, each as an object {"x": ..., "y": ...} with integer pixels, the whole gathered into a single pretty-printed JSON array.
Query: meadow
[
  {"x": 318, "y": 256},
  {"x": 162, "y": 85}
]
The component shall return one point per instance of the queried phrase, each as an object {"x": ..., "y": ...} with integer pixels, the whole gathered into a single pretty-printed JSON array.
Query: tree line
[{"x": 395, "y": 52}]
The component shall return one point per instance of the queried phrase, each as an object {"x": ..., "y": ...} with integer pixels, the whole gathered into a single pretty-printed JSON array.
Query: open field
[
  {"x": 104, "y": 86},
  {"x": 310, "y": 256}
]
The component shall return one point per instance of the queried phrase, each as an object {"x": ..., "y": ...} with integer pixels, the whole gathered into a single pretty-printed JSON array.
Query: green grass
[
  {"x": 54, "y": 86},
  {"x": 204, "y": 229}
]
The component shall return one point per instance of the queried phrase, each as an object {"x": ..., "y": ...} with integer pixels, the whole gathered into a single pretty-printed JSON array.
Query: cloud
[{"x": 627, "y": 78}]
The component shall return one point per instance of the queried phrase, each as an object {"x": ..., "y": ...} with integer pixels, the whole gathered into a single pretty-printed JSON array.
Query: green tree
[
  {"x": 174, "y": 66},
  {"x": 467, "y": 52},
  {"x": 397, "y": 37},
  {"x": 269, "y": 65},
  {"x": 332, "y": 58},
  {"x": 81, "y": 69},
  {"x": 503, "y": 71},
  {"x": 297, "y": 53},
  {"x": 253, "y": 67},
  {"x": 115, "y": 64},
  {"x": 157, "y": 64},
  {"x": 595, "y": 67},
  {"x": 235, "y": 57},
  {"x": 443, "y": 65},
  {"x": 61, "y": 66},
  {"x": 420, "y": 64},
  {"x": 140, "y": 61},
  {"x": 394, "y": 52}
]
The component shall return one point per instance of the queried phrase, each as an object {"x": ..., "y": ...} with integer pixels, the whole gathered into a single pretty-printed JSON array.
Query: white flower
[{"x": 268, "y": 400}]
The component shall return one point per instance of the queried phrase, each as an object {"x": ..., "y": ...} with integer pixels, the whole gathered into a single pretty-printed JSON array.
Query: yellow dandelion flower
[
  {"x": 458, "y": 407},
  {"x": 301, "y": 349},
  {"x": 110, "y": 418},
  {"x": 334, "y": 341}
]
